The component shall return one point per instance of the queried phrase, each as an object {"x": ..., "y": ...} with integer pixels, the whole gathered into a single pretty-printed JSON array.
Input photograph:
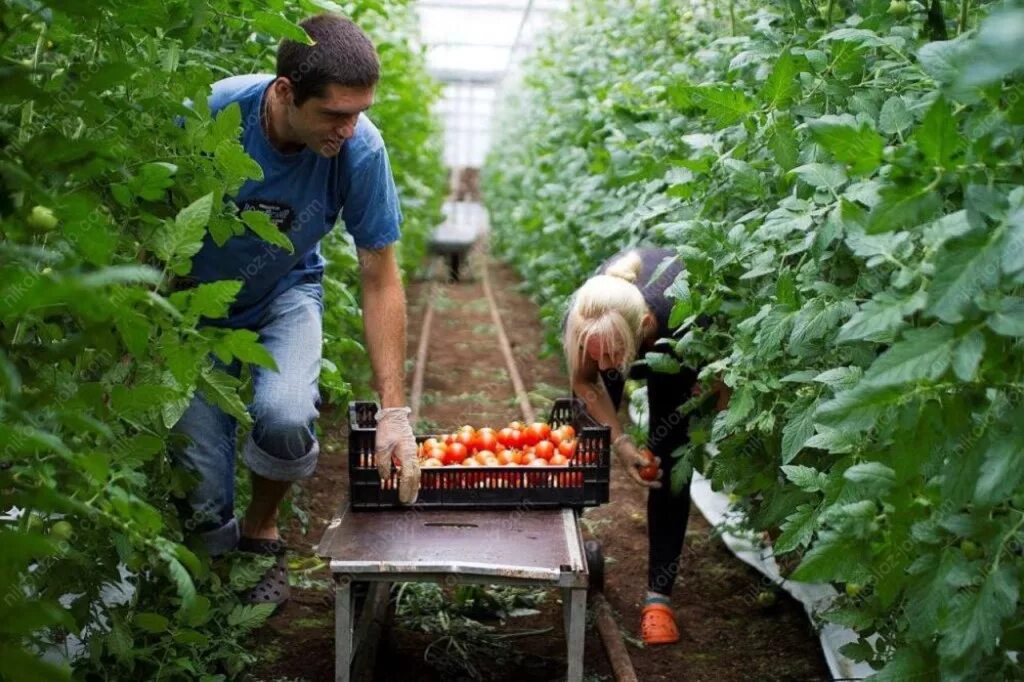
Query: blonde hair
[{"x": 608, "y": 306}]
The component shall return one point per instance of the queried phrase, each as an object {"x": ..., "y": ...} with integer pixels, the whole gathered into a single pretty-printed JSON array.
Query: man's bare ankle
[{"x": 258, "y": 532}]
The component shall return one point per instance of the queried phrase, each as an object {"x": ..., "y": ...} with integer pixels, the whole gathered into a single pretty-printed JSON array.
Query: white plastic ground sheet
[{"x": 815, "y": 597}]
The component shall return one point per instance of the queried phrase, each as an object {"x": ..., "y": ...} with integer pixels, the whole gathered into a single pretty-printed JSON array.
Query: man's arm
[{"x": 384, "y": 322}]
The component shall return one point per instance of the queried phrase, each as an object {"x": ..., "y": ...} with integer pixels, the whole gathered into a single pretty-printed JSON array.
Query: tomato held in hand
[{"x": 649, "y": 472}]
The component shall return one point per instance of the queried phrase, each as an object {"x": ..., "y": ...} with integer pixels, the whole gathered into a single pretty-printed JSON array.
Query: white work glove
[
  {"x": 629, "y": 454},
  {"x": 396, "y": 442}
]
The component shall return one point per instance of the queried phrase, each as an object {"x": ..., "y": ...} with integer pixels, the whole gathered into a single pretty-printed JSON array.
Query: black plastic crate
[{"x": 582, "y": 483}]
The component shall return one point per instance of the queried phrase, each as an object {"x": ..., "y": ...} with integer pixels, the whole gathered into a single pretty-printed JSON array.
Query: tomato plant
[
  {"x": 843, "y": 181},
  {"x": 108, "y": 186}
]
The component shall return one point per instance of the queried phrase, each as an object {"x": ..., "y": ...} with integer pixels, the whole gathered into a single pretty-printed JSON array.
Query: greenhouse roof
[{"x": 480, "y": 41}]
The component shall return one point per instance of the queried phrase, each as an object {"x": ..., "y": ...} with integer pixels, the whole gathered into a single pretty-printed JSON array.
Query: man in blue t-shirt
[{"x": 321, "y": 158}]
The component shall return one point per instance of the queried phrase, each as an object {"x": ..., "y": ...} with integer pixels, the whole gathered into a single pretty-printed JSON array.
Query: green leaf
[
  {"x": 153, "y": 180},
  {"x": 975, "y": 619},
  {"x": 906, "y": 664},
  {"x": 260, "y": 223},
  {"x": 860, "y": 407},
  {"x": 894, "y": 117},
  {"x": 856, "y": 145},
  {"x": 995, "y": 51},
  {"x": 221, "y": 389},
  {"x": 880, "y": 318},
  {"x": 277, "y": 26},
  {"x": 873, "y": 475},
  {"x": 182, "y": 581},
  {"x": 1001, "y": 471},
  {"x": 806, "y": 478},
  {"x": 821, "y": 176},
  {"x": 233, "y": 159},
  {"x": 724, "y": 104},
  {"x": 245, "y": 345},
  {"x": 902, "y": 208},
  {"x": 798, "y": 429},
  {"x": 797, "y": 530},
  {"x": 176, "y": 242},
  {"x": 923, "y": 354},
  {"x": 247, "y": 617},
  {"x": 1008, "y": 319},
  {"x": 940, "y": 58},
  {"x": 151, "y": 622},
  {"x": 782, "y": 84},
  {"x": 1013, "y": 250},
  {"x": 967, "y": 355},
  {"x": 963, "y": 270},
  {"x": 938, "y": 137},
  {"x": 832, "y": 557},
  {"x": 663, "y": 363},
  {"x": 17, "y": 664},
  {"x": 212, "y": 299}
]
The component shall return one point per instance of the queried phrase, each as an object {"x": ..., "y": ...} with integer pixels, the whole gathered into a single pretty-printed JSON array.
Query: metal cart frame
[{"x": 538, "y": 547}]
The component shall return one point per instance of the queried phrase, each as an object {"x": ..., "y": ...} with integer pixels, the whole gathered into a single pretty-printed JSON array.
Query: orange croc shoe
[{"x": 658, "y": 625}]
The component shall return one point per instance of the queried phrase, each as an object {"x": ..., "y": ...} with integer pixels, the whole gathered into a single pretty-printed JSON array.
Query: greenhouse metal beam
[
  {"x": 482, "y": 7},
  {"x": 467, "y": 76}
]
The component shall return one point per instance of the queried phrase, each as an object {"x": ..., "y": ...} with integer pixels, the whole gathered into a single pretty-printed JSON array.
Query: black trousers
[{"x": 667, "y": 514}]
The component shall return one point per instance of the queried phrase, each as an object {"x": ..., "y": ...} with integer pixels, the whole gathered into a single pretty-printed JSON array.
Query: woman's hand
[{"x": 634, "y": 460}]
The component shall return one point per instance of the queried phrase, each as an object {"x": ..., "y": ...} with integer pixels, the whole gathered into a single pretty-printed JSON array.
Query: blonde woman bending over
[{"x": 614, "y": 318}]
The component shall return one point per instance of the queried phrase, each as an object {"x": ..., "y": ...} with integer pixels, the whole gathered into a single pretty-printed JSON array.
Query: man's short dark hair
[{"x": 343, "y": 55}]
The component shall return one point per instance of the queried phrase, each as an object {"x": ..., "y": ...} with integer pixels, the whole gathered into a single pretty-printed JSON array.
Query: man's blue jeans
[{"x": 282, "y": 445}]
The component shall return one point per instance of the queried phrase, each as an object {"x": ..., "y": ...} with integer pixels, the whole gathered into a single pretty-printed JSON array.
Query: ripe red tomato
[
  {"x": 506, "y": 457},
  {"x": 528, "y": 457},
  {"x": 567, "y": 448},
  {"x": 558, "y": 460},
  {"x": 466, "y": 438},
  {"x": 485, "y": 440},
  {"x": 568, "y": 431},
  {"x": 456, "y": 453},
  {"x": 544, "y": 449},
  {"x": 436, "y": 453},
  {"x": 505, "y": 435},
  {"x": 535, "y": 433},
  {"x": 556, "y": 436},
  {"x": 650, "y": 471}
]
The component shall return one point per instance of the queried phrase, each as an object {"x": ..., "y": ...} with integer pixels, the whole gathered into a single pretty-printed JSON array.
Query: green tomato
[
  {"x": 61, "y": 531},
  {"x": 35, "y": 523},
  {"x": 970, "y": 549},
  {"x": 766, "y": 598},
  {"x": 898, "y": 9},
  {"x": 42, "y": 219},
  {"x": 853, "y": 589}
]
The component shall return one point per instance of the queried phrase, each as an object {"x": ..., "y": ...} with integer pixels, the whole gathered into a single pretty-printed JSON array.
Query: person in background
[
  {"x": 617, "y": 316},
  {"x": 322, "y": 158}
]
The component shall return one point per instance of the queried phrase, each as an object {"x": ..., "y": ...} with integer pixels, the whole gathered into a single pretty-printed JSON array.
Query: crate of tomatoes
[{"x": 563, "y": 462}]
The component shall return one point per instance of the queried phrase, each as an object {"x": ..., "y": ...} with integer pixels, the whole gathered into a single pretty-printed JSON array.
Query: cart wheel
[{"x": 595, "y": 564}]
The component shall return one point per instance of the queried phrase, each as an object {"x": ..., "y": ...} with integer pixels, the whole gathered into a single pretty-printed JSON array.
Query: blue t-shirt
[{"x": 303, "y": 194}]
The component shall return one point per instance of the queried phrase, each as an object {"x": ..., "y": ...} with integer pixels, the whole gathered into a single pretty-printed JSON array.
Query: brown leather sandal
[{"x": 273, "y": 587}]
